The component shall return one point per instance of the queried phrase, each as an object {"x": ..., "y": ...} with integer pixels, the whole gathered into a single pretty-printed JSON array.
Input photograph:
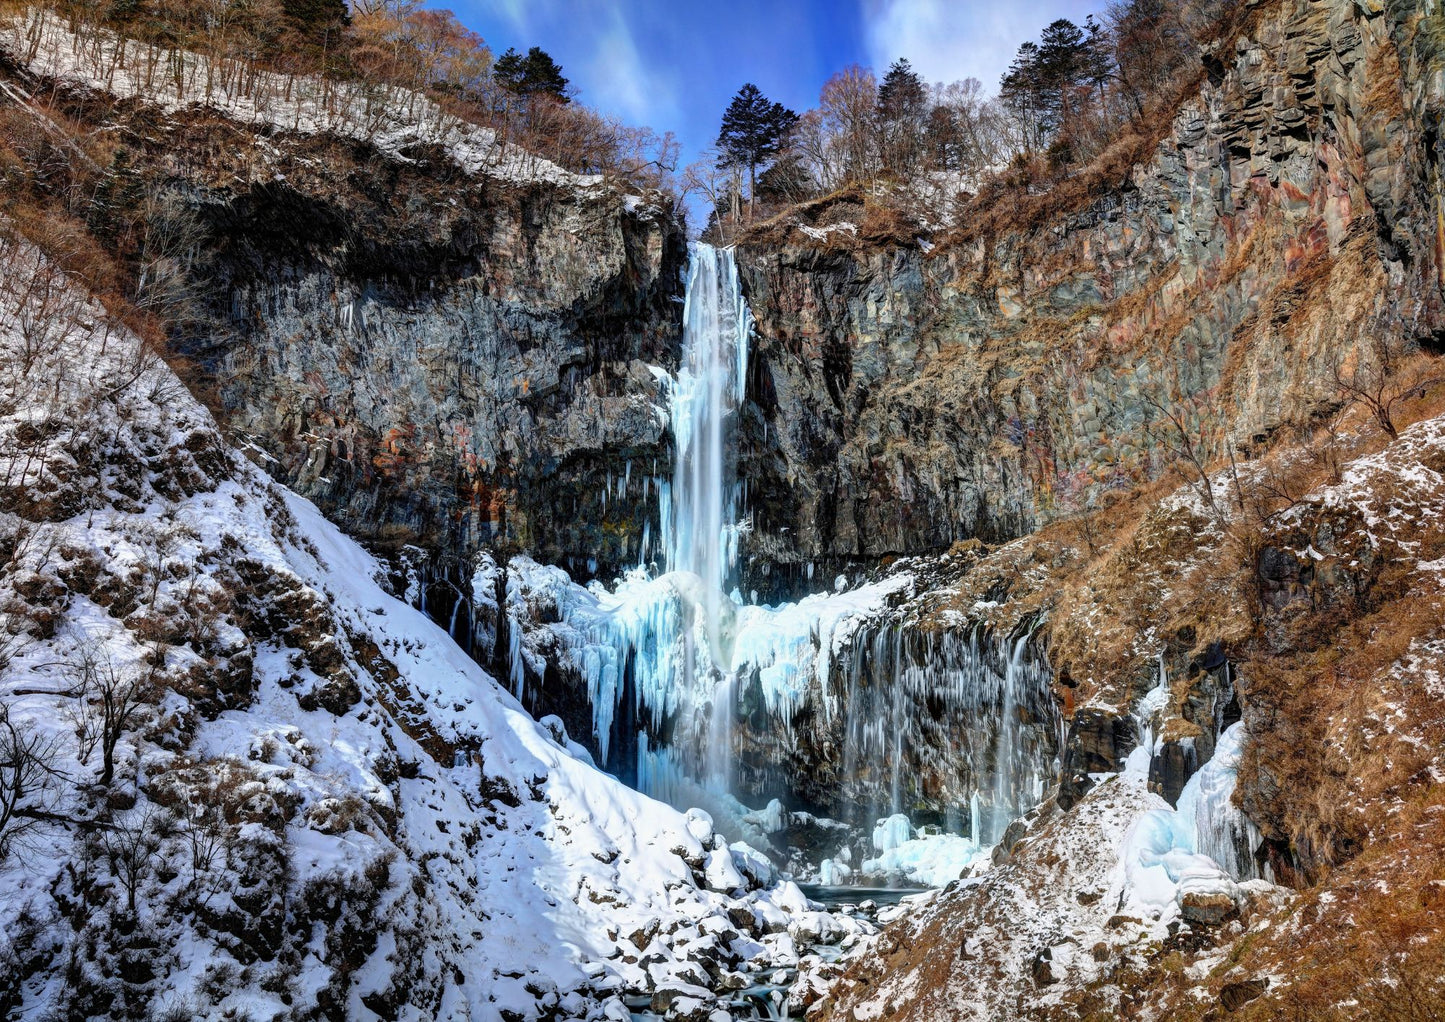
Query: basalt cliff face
[
  {"x": 1034, "y": 357},
  {"x": 447, "y": 362},
  {"x": 436, "y": 357}
]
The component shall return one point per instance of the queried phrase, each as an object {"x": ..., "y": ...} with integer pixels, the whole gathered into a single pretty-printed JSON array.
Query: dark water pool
[{"x": 849, "y": 895}]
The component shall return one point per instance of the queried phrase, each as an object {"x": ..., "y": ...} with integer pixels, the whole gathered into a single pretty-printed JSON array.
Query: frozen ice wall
[{"x": 965, "y": 715}]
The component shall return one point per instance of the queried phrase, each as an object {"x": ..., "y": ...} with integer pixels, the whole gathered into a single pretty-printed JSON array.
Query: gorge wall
[
  {"x": 463, "y": 362},
  {"x": 1035, "y": 356},
  {"x": 454, "y": 366},
  {"x": 437, "y": 358}
]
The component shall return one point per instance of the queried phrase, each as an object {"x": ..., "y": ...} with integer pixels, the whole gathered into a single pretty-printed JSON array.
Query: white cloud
[
  {"x": 515, "y": 11},
  {"x": 947, "y": 40},
  {"x": 619, "y": 80}
]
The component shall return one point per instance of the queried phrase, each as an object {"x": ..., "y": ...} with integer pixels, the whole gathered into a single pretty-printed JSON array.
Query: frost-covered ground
[
  {"x": 1087, "y": 887},
  {"x": 318, "y": 802}
]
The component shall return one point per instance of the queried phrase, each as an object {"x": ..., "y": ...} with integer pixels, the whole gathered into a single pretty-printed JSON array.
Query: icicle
[{"x": 514, "y": 655}]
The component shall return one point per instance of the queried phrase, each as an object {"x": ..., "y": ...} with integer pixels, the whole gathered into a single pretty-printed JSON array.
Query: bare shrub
[
  {"x": 114, "y": 697},
  {"x": 1385, "y": 372},
  {"x": 29, "y": 780},
  {"x": 131, "y": 844}
]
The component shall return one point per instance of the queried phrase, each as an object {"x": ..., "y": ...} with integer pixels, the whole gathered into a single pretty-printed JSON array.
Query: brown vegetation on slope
[{"x": 1319, "y": 575}]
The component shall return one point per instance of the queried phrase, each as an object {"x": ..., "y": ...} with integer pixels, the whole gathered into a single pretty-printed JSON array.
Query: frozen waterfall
[
  {"x": 912, "y": 693},
  {"x": 671, "y": 654},
  {"x": 666, "y": 641}
]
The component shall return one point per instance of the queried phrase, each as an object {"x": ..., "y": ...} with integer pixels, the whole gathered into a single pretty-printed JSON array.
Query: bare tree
[
  {"x": 115, "y": 696},
  {"x": 849, "y": 106},
  {"x": 718, "y": 186},
  {"x": 396, "y": 8},
  {"x": 29, "y": 780},
  {"x": 1184, "y": 435},
  {"x": 131, "y": 845},
  {"x": 41, "y": 303},
  {"x": 172, "y": 237},
  {"x": 1383, "y": 373},
  {"x": 206, "y": 837}
]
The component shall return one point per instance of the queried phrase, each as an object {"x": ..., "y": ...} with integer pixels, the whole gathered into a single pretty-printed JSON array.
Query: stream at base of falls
[{"x": 767, "y": 996}]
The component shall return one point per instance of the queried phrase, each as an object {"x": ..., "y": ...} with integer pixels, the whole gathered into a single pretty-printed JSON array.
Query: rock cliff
[
  {"x": 443, "y": 361},
  {"x": 1053, "y": 347},
  {"x": 438, "y": 355}
]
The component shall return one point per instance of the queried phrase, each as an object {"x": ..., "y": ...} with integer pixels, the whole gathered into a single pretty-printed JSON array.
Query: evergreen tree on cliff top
[
  {"x": 754, "y": 131},
  {"x": 902, "y": 109},
  {"x": 902, "y": 94},
  {"x": 535, "y": 74}
]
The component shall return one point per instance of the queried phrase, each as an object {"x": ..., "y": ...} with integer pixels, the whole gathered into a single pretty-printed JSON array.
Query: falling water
[
  {"x": 666, "y": 640},
  {"x": 952, "y": 705},
  {"x": 1005, "y": 773},
  {"x": 700, "y": 532}
]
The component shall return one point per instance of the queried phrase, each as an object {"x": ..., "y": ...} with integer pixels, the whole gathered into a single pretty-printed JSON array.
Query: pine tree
[
  {"x": 902, "y": 94},
  {"x": 114, "y": 205},
  {"x": 754, "y": 131},
  {"x": 1098, "y": 58},
  {"x": 536, "y": 74},
  {"x": 1022, "y": 92},
  {"x": 1047, "y": 83},
  {"x": 902, "y": 108},
  {"x": 1062, "y": 66},
  {"x": 943, "y": 138}
]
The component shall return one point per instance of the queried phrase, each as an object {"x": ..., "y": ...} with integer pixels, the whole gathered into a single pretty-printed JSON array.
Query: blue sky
[{"x": 674, "y": 64}]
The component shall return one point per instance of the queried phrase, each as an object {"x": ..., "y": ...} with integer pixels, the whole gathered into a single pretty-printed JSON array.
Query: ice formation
[
  {"x": 669, "y": 649},
  {"x": 1203, "y": 847},
  {"x": 1004, "y": 761}
]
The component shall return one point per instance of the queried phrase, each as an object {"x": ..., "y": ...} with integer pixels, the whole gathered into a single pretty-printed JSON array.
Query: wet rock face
[
  {"x": 1171, "y": 767},
  {"x": 1098, "y": 742},
  {"x": 906, "y": 398},
  {"x": 446, "y": 361}
]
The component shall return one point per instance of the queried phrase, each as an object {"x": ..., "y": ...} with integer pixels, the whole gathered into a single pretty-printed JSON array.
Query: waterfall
[
  {"x": 919, "y": 714},
  {"x": 1006, "y": 795},
  {"x": 970, "y": 712},
  {"x": 701, "y": 533},
  {"x": 1216, "y": 826},
  {"x": 1203, "y": 845},
  {"x": 667, "y": 639}
]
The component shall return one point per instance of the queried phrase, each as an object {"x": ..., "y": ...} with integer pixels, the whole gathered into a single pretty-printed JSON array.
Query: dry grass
[
  {"x": 1008, "y": 205},
  {"x": 879, "y": 223}
]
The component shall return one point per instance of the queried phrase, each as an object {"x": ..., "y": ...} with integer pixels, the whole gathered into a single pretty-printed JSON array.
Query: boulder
[
  {"x": 1041, "y": 968},
  {"x": 1098, "y": 742},
  {"x": 1206, "y": 908}
]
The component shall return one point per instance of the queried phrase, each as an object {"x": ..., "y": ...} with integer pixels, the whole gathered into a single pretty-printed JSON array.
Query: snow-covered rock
[{"x": 314, "y": 791}]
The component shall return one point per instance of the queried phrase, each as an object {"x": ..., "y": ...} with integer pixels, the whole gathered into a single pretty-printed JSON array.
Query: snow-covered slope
[
  {"x": 320, "y": 806},
  {"x": 391, "y": 118},
  {"x": 1082, "y": 894}
]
